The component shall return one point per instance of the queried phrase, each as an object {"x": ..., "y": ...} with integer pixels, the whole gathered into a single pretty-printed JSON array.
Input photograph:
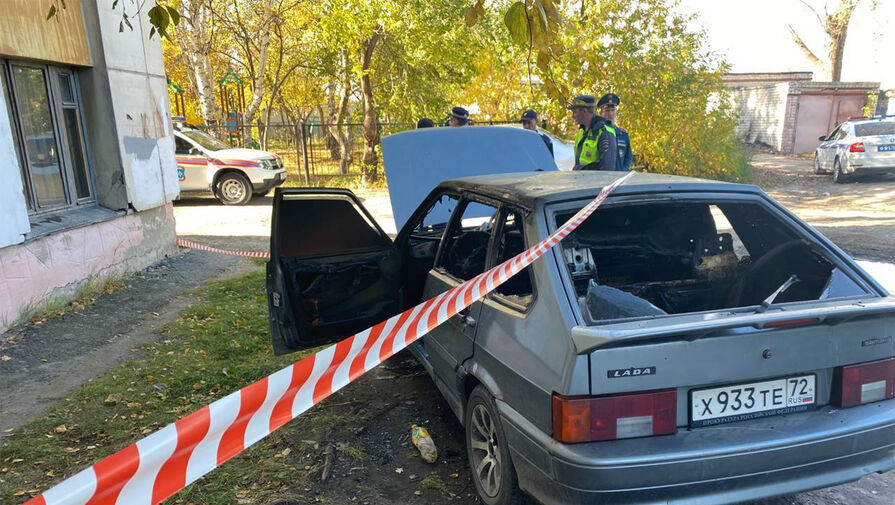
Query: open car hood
[{"x": 417, "y": 161}]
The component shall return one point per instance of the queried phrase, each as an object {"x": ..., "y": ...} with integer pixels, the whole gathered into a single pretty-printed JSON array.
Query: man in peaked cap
[
  {"x": 608, "y": 106},
  {"x": 459, "y": 117},
  {"x": 595, "y": 144},
  {"x": 530, "y": 122}
]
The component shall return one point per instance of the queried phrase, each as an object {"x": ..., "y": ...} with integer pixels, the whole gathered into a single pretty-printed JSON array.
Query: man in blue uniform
[
  {"x": 530, "y": 122},
  {"x": 608, "y": 106},
  {"x": 459, "y": 117},
  {"x": 595, "y": 144}
]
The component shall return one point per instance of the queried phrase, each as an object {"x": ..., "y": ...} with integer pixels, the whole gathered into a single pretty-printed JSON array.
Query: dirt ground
[
  {"x": 858, "y": 216},
  {"x": 48, "y": 361}
]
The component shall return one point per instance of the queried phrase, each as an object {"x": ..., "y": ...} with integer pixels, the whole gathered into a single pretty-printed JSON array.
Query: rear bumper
[
  {"x": 723, "y": 464},
  {"x": 868, "y": 164}
]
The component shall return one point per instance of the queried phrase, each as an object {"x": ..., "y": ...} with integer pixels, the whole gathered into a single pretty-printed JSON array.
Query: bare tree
[{"x": 835, "y": 26}]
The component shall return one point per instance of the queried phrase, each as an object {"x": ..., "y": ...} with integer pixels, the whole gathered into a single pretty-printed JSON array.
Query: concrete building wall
[
  {"x": 56, "y": 265},
  {"x": 139, "y": 98},
  {"x": 128, "y": 133}
]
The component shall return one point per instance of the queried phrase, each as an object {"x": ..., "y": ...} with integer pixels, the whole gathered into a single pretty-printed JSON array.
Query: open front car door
[{"x": 332, "y": 270}]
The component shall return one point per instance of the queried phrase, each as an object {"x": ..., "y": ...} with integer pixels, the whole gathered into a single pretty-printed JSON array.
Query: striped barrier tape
[
  {"x": 168, "y": 460},
  {"x": 248, "y": 254}
]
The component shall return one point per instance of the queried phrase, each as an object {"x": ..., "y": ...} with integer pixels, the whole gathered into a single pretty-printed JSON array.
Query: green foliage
[
  {"x": 674, "y": 103},
  {"x": 162, "y": 17}
]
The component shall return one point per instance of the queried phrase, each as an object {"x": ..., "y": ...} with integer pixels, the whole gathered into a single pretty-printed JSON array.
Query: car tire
[
  {"x": 233, "y": 189},
  {"x": 489, "y": 456},
  {"x": 839, "y": 177}
]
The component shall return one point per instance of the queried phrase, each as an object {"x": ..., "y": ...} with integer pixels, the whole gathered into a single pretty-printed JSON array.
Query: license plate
[
  {"x": 283, "y": 176},
  {"x": 886, "y": 148},
  {"x": 750, "y": 401}
]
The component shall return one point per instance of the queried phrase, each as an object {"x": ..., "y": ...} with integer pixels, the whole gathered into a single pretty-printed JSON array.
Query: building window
[{"x": 45, "y": 116}]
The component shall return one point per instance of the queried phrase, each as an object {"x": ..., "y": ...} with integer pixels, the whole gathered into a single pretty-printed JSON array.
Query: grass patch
[
  {"x": 217, "y": 346},
  {"x": 434, "y": 482},
  {"x": 355, "y": 453},
  {"x": 83, "y": 296}
]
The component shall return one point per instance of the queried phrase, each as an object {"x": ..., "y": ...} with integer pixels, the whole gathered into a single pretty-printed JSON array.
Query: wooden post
[{"x": 304, "y": 150}]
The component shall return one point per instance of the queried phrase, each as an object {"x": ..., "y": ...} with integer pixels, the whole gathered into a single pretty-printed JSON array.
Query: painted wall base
[{"x": 53, "y": 267}]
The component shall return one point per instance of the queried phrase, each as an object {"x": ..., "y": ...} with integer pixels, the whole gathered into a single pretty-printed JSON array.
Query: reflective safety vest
[{"x": 587, "y": 142}]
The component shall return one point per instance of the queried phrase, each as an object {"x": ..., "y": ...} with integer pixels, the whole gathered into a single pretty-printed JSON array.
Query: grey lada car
[{"x": 691, "y": 342}]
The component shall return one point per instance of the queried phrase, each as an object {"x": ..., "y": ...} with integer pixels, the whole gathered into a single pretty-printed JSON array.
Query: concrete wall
[
  {"x": 131, "y": 144},
  {"x": 139, "y": 98},
  {"x": 55, "y": 266},
  {"x": 762, "y": 113}
]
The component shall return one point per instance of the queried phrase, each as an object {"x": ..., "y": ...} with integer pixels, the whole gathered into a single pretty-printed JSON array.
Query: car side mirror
[
  {"x": 194, "y": 151},
  {"x": 822, "y": 138}
]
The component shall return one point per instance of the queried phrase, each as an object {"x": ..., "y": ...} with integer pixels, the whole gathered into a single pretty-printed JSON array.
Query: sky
[{"x": 753, "y": 37}]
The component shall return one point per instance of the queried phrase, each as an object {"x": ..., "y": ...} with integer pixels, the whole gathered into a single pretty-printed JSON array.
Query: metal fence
[{"x": 312, "y": 151}]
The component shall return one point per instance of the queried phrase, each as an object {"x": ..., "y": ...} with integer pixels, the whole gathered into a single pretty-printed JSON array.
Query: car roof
[{"x": 532, "y": 189}]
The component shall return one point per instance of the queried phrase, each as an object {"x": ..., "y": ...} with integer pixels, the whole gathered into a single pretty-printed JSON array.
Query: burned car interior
[
  {"x": 359, "y": 288},
  {"x": 656, "y": 258}
]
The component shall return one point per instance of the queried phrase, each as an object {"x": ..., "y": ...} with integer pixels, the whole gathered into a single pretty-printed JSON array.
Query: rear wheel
[
  {"x": 839, "y": 176},
  {"x": 233, "y": 189},
  {"x": 489, "y": 457}
]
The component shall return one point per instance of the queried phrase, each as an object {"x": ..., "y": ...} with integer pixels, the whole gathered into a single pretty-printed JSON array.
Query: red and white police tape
[
  {"x": 168, "y": 460},
  {"x": 248, "y": 254}
]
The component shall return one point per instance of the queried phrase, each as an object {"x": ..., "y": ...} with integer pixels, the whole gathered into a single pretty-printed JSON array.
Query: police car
[
  {"x": 859, "y": 145},
  {"x": 204, "y": 164}
]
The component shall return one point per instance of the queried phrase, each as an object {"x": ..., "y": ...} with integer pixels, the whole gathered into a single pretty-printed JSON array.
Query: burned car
[{"x": 692, "y": 341}]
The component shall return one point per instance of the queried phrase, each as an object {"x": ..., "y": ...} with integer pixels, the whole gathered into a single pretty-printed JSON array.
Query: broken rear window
[{"x": 657, "y": 258}]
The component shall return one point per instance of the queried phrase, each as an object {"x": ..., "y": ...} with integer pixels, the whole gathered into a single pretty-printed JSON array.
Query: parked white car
[
  {"x": 204, "y": 164},
  {"x": 857, "y": 146}
]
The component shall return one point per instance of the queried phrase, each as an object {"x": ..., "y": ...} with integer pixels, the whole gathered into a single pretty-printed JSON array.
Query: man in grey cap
[
  {"x": 608, "y": 106},
  {"x": 459, "y": 117},
  {"x": 530, "y": 122},
  {"x": 595, "y": 144}
]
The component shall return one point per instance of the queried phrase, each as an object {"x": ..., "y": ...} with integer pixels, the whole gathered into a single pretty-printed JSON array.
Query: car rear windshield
[
  {"x": 657, "y": 258},
  {"x": 870, "y": 129}
]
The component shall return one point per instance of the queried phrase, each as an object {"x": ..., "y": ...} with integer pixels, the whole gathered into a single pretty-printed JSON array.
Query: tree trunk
[
  {"x": 196, "y": 47},
  {"x": 337, "y": 121},
  {"x": 837, "y": 30},
  {"x": 258, "y": 87},
  {"x": 329, "y": 140},
  {"x": 835, "y": 27},
  {"x": 371, "y": 123}
]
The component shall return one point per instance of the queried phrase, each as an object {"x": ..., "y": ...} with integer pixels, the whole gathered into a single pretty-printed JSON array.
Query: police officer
[
  {"x": 595, "y": 145},
  {"x": 530, "y": 122},
  {"x": 459, "y": 117},
  {"x": 608, "y": 106}
]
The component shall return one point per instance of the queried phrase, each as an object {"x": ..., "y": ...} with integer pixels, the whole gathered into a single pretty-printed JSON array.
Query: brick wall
[
  {"x": 763, "y": 113},
  {"x": 788, "y": 135}
]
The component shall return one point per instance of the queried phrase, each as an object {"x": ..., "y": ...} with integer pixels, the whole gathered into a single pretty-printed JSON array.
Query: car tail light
[
  {"x": 857, "y": 147},
  {"x": 611, "y": 417},
  {"x": 866, "y": 383}
]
